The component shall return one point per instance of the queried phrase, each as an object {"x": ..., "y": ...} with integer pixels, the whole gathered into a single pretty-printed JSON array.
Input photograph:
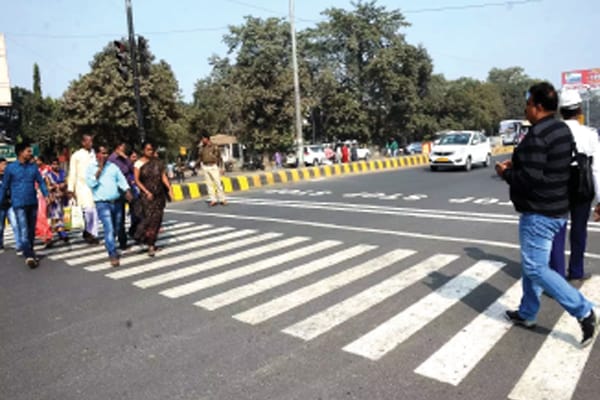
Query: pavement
[{"x": 387, "y": 285}]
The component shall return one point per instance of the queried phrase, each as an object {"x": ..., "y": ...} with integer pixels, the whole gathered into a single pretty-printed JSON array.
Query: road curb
[{"x": 241, "y": 183}]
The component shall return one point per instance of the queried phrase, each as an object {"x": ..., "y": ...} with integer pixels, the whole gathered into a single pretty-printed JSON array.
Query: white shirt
[
  {"x": 80, "y": 160},
  {"x": 586, "y": 141}
]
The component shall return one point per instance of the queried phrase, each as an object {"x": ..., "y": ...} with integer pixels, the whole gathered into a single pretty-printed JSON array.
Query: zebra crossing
[{"x": 219, "y": 266}]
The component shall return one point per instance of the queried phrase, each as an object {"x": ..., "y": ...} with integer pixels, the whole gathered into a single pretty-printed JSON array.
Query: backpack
[{"x": 581, "y": 179}]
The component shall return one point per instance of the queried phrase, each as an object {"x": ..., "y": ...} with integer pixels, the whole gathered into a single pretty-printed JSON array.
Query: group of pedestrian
[
  {"x": 101, "y": 185},
  {"x": 539, "y": 175}
]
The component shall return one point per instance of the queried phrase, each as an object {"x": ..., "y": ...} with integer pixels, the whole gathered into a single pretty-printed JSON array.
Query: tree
[
  {"x": 381, "y": 77},
  {"x": 512, "y": 83},
  {"x": 100, "y": 102},
  {"x": 37, "y": 84}
]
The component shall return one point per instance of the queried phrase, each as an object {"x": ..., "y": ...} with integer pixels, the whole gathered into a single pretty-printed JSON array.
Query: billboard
[
  {"x": 5, "y": 98},
  {"x": 582, "y": 79}
]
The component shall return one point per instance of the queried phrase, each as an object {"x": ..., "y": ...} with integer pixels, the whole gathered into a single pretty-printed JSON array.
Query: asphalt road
[{"x": 386, "y": 285}]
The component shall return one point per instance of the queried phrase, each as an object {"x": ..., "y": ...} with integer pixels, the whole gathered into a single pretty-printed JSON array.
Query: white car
[
  {"x": 461, "y": 149},
  {"x": 314, "y": 155}
]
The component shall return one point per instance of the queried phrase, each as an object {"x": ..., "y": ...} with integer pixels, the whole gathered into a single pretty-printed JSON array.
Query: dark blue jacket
[{"x": 20, "y": 179}]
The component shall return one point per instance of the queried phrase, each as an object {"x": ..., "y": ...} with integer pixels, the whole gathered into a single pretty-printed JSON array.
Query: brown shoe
[
  {"x": 212, "y": 204},
  {"x": 224, "y": 203},
  {"x": 114, "y": 262}
]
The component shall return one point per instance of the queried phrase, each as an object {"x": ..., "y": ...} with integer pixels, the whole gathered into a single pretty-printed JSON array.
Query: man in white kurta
[{"x": 80, "y": 160}]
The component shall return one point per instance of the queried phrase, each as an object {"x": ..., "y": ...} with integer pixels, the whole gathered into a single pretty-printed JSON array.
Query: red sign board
[{"x": 581, "y": 79}]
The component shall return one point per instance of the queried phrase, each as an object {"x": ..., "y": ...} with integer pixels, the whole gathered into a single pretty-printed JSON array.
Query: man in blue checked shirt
[
  {"x": 20, "y": 178},
  {"x": 108, "y": 184}
]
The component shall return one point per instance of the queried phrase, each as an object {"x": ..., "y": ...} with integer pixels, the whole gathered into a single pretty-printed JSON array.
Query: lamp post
[
  {"x": 136, "y": 75},
  {"x": 299, "y": 138}
]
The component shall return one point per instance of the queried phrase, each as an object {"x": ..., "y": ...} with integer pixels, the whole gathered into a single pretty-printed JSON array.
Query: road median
[{"x": 244, "y": 182}]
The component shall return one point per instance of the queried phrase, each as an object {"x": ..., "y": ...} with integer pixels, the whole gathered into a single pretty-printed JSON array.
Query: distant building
[{"x": 5, "y": 96}]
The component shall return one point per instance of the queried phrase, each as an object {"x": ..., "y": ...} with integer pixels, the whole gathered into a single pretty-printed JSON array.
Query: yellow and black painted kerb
[{"x": 195, "y": 190}]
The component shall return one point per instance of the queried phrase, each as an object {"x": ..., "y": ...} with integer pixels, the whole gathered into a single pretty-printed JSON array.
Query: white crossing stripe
[
  {"x": 206, "y": 252},
  {"x": 457, "y": 358},
  {"x": 337, "y": 314},
  {"x": 397, "y": 329},
  {"x": 212, "y": 264},
  {"x": 186, "y": 244},
  {"x": 278, "y": 306},
  {"x": 259, "y": 266},
  {"x": 557, "y": 367},
  {"x": 242, "y": 292},
  {"x": 160, "y": 242},
  {"x": 61, "y": 252}
]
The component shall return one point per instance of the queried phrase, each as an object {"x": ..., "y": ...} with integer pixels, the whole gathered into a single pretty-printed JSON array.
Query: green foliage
[
  {"x": 512, "y": 84},
  {"x": 101, "y": 103}
]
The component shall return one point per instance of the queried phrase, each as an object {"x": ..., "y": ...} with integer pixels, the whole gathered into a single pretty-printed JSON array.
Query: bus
[{"x": 512, "y": 131}]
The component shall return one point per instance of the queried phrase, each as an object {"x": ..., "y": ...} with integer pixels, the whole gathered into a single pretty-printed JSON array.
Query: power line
[{"x": 510, "y": 3}]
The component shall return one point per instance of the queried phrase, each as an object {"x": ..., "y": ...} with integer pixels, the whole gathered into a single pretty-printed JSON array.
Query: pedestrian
[
  {"x": 345, "y": 153},
  {"x": 108, "y": 186},
  {"x": 278, "y": 158},
  {"x": 153, "y": 183},
  {"x": 7, "y": 212},
  {"x": 78, "y": 188},
  {"x": 586, "y": 141},
  {"x": 57, "y": 200},
  {"x": 5, "y": 205},
  {"x": 43, "y": 231},
  {"x": 210, "y": 156},
  {"x": 354, "y": 151},
  {"x": 180, "y": 166},
  {"x": 121, "y": 160},
  {"x": 538, "y": 177},
  {"x": 20, "y": 178}
]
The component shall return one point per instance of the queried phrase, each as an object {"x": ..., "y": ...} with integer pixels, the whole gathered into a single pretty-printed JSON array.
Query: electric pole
[
  {"x": 299, "y": 138},
  {"x": 136, "y": 75}
]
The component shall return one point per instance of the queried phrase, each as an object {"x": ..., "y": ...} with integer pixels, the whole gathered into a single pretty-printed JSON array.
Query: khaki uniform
[{"x": 210, "y": 157}]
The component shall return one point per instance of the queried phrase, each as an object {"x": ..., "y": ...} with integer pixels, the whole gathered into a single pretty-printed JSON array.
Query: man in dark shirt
[
  {"x": 538, "y": 176},
  {"x": 20, "y": 178},
  {"x": 120, "y": 159}
]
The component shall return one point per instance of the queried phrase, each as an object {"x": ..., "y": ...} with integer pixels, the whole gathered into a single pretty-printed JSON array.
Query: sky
[{"x": 463, "y": 37}]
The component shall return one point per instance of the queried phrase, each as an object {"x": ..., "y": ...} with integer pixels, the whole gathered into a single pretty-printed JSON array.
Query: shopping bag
[{"x": 73, "y": 215}]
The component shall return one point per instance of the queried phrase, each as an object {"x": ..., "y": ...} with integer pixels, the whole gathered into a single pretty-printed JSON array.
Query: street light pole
[
  {"x": 136, "y": 75},
  {"x": 299, "y": 138}
]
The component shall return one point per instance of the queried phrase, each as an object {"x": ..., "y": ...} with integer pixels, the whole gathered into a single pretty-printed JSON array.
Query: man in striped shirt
[{"x": 538, "y": 176}]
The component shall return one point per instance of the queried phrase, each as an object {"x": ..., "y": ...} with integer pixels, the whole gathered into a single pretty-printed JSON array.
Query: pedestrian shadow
[{"x": 482, "y": 295}]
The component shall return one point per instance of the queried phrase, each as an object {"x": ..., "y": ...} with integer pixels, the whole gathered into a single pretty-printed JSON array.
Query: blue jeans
[
  {"x": 580, "y": 214},
  {"x": 26, "y": 217},
  {"x": 3, "y": 215},
  {"x": 536, "y": 233},
  {"x": 110, "y": 216},
  {"x": 12, "y": 219}
]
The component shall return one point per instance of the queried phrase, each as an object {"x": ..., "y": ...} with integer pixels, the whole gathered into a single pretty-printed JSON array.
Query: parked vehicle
[
  {"x": 414, "y": 148},
  {"x": 461, "y": 149},
  {"x": 363, "y": 153},
  {"x": 314, "y": 155},
  {"x": 253, "y": 162}
]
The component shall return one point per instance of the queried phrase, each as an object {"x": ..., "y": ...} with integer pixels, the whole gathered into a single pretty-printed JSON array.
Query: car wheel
[
  {"x": 433, "y": 168},
  {"x": 488, "y": 160},
  {"x": 468, "y": 164},
  {"x": 315, "y": 163}
]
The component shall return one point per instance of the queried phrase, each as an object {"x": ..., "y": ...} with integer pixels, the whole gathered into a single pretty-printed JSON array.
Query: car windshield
[
  {"x": 316, "y": 148},
  {"x": 456, "y": 138}
]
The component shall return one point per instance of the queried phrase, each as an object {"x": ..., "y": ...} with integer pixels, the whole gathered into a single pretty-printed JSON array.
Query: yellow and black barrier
[{"x": 196, "y": 190}]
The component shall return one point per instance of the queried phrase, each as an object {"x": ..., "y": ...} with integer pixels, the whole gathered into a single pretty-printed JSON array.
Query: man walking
[
  {"x": 20, "y": 178},
  {"x": 105, "y": 180},
  {"x": 210, "y": 156},
  {"x": 538, "y": 176},
  {"x": 120, "y": 159},
  {"x": 586, "y": 141},
  {"x": 77, "y": 187}
]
